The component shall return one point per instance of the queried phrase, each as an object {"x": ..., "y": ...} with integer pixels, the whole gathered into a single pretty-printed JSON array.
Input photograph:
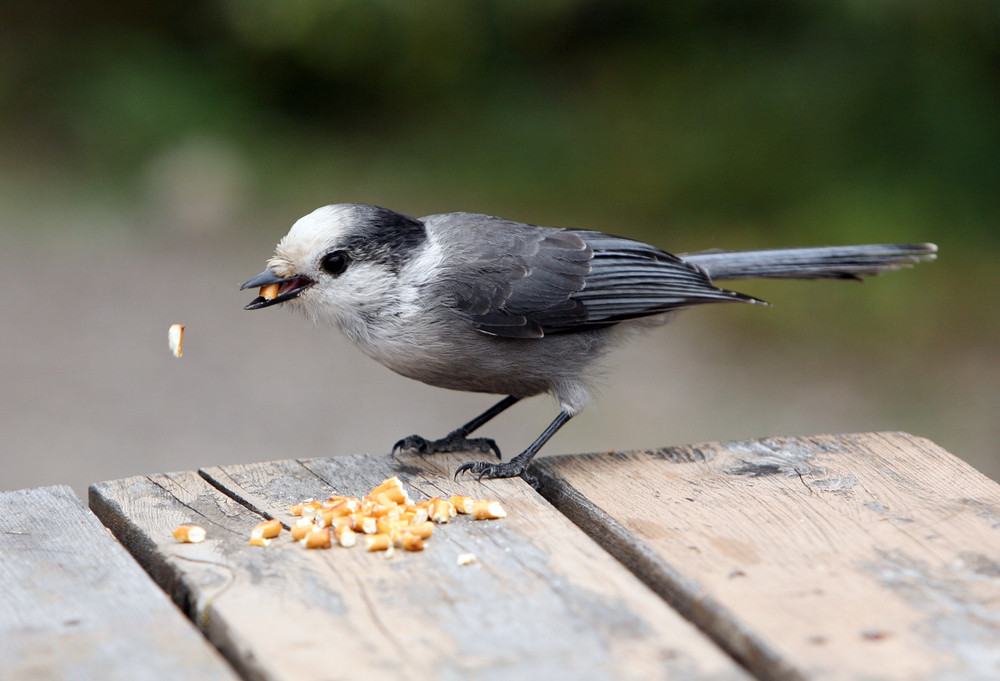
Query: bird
[{"x": 478, "y": 303}]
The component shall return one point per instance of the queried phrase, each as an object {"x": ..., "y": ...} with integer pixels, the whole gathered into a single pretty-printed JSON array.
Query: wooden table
[{"x": 870, "y": 556}]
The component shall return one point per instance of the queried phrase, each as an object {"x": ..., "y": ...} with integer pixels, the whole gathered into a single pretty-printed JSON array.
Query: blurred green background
[{"x": 155, "y": 131}]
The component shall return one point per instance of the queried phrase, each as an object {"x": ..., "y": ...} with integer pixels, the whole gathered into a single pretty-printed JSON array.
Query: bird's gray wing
[
  {"x": 521, "y": 281},
  {"x": 508, "y": 278},
  {"x": 630, "y": 279}
]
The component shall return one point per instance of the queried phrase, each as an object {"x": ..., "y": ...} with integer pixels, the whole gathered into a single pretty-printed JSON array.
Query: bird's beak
[{"x": 275, "y": 289}]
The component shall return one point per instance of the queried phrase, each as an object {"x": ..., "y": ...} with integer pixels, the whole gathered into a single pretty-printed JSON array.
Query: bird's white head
[{"x": 340, "y": 263}]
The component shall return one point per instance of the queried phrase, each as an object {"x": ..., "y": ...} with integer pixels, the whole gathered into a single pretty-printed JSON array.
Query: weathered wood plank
[
  {"x": 544, "y": 601},
  {"x": 846, "y": 557},
  {"x": 74, "y": 605}
]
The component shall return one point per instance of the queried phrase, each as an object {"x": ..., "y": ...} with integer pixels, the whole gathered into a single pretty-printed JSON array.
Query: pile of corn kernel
[{"x": 386, "y": 518}]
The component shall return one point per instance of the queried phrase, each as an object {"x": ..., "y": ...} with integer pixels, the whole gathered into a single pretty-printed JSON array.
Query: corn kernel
[
  {"x": 488, "y": 510},
  {"x": 378, "y": 542},
  {"x": 393, "y": 489},
  {"x": 462, "y": 503},
  {"x": 423, "y": 530},
  {"x": 411, "y": 542},
  {"x": 175, "y": 338},
  {"x": 267, "y": 530},
  {"x": 318, "y": 538},
  {"x": 301, "y": 528},
  {"x": 190, "y": 534},
  {"x": 345, "y": 536},
  {"x": 441, "y": 510},
  {"x": 363, "y": 523}
]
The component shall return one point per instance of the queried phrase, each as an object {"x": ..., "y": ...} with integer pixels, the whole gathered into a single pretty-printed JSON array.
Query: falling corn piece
[
  {"x": 175, "y": 337},
  {"x": 269, "y": 292},
  {"x": 190, "y": 534},
  {"x": 487, "y": 510},
  {"x": 466, "y": 558}
]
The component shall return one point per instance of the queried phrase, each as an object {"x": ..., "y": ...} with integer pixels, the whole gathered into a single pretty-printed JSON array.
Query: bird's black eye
[{"x": 334, "y": 263}]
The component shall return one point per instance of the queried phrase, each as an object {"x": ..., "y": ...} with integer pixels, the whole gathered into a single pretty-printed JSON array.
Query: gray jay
[{"x": 477, "y": 303}]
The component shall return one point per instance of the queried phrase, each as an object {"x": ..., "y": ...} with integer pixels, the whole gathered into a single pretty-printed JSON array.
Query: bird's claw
[
  {"x": 485, "y": 469},
  {"x": 477, "y": 468},
  {"x": 412, "y": 443},
  {"x": 450, "y": 443}
]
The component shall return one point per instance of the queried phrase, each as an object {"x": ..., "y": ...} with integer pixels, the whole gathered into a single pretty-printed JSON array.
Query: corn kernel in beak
[{"x": 269, "y": 292}]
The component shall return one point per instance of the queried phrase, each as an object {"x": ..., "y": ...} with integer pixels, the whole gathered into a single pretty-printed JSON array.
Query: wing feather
[{"x": 522, "y": 281}]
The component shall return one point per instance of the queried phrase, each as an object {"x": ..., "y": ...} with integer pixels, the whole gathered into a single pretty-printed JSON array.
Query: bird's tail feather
[{"x": 821, "y": 262}]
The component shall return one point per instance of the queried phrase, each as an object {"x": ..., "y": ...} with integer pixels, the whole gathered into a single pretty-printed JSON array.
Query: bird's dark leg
[
  {"x": 518, "y": 466},
  {"x": 458, "y": 440}
]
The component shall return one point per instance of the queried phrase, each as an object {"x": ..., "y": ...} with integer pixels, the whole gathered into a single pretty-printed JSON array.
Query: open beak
[{"x": 275, "y": 289}]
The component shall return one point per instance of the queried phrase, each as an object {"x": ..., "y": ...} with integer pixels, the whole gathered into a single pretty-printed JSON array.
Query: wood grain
[
  {"x": 543, "y": 600},
  {"x": 842, "y": 557},
  {"x": 74, "y": 605}
]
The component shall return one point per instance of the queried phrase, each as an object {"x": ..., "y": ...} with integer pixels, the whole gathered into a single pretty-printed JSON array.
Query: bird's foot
[
  {"x": 515, "y": 468},
  {"x": 453, "y": 442}
]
